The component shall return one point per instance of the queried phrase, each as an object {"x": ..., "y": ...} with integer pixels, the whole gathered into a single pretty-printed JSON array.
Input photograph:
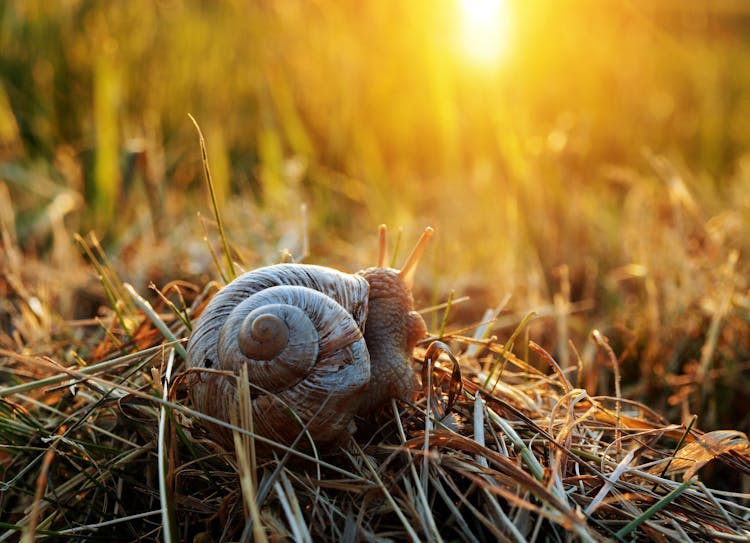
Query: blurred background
[{"x": 589, "y": 158}]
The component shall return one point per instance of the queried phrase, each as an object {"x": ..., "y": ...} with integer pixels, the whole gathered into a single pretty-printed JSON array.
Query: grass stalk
[
  {"x": 412, "y": 535},
  {"x": 503, "y": 358},
  {"x": 156, "y": 320},
  {"x": 168, "y": 516},
  {"x": 214, "y": 203},
  {"x": 602, "y": 342},
  {"x": 654, "y": 509},
  {"x": 444, "y": 321}
]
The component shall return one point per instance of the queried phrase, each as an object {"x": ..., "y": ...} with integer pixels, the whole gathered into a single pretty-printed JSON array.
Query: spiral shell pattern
[{"x": 297, "y": 328}]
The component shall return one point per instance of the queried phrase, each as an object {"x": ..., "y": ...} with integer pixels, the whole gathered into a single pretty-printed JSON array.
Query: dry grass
[
  {"x": 100, "y": 443},
  {"x": 366, "y": 113},
  {"x": 547, "y": 178}
]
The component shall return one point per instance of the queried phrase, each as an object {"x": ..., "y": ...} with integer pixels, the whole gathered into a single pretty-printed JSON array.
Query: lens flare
[{"x": 485, "y": 31}]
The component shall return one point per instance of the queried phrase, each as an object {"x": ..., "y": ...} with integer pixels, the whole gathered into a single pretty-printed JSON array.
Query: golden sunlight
[{"x": 485, "y": 31}]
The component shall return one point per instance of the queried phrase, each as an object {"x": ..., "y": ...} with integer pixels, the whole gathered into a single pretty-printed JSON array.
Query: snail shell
[{"x": 316, "y": 341}]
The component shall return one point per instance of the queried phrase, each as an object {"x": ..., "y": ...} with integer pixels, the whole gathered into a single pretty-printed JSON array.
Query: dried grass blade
[
  {"x": 501, "y": 518},
  {"x": 245, "y": 453},
  {"x": 127, "y": 390},
  {"x": 214, "y": 257},
  {"x": 182, "y": 315},
  {"x": 78, "y": 371},
  {"x": 145, "y": 306},
  {"x": 677, "y": 447},
  {"x": 112, "y": 288},
  {"x": 427, "y": 380},
  {"x": 479, "y": 427},
  {"x": 506, "y": 349},
  {"x": 561, "y": 303},
  {"x": 555, "y": 367},
  {"x": 455, "y": 512},
  {"x": 723, "y": 512},
  {"x": 482, "y": 332},
  {"x": 422, "y": 505},
  {"x": 510, "y": 468},
  {"x": 214, "y": 203},
  {"x": 267, "y": 483},
  {"x": 463, "y": 498},
  {"x": 554, "y": 509},
  {"x": 727, "y": 285},
  {"x": 106, "y": 268},
  {"x": 290, "y": 505},
  {"x": 438, "y": 307},
  {"x": 603, "y": 343},
  {"x": 29, "y": 532},
  {"x": 706, "y": 448},
  {"x": 444, "y": 321},
  {"x": 108, "y": 523},
  {"x": 168, "y": 517},
  {"x": 528, "y": 457},
  {"x": 456, "y": 383},
  {"x": 609, "y": 483},
  {"x": 392, "y": 502}
]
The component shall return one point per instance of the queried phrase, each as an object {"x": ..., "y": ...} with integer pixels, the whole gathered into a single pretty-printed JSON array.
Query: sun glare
[{"x": 485, "y": 31}]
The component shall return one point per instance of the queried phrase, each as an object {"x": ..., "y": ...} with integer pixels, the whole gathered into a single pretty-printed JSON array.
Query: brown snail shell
[{"x": 325, "y": 344}]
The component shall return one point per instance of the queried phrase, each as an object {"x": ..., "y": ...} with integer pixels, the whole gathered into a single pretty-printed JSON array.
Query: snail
[{"x": 320, "y": 346}]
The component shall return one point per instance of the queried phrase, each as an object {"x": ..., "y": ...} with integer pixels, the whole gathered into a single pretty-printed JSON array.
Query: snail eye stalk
[
  {"x": 410, "y": 267},
  {"x": 382, "y": 245}
]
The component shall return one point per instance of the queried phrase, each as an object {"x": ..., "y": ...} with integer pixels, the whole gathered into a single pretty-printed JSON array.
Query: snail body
[{"x": 321, "y": 346}]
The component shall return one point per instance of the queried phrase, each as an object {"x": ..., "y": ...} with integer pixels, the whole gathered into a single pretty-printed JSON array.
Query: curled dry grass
[{"x": 101, "y": 444}]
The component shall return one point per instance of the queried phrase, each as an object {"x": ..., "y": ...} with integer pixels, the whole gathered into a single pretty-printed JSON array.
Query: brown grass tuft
[{"x": 108, "y": 447}]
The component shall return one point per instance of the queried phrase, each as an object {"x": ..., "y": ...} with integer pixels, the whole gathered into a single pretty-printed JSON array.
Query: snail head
[{"x": 393, "y": 328}]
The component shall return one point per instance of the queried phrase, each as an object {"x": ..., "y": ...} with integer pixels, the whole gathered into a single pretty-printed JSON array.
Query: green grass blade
[{"x": 651, "y": 511}]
